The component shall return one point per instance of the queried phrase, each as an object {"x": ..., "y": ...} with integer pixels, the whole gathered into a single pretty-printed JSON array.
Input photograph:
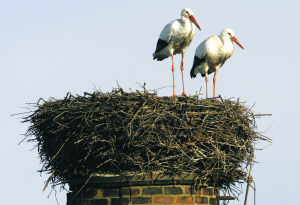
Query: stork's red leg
[
  {"x": 173, "y": 76},
  {"x": 206, "y": 80},
  {"x": 183, "y": 93},
  {"x": 215, "y": 76}
]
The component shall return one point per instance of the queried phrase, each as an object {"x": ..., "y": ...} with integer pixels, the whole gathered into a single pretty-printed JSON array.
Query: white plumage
[
  {"x": 212, "y": 53},
  {"x": 175, "y": 38}
]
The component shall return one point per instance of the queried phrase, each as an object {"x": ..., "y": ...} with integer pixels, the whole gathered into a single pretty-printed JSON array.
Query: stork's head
[
  {"x": 229, "y": 33},
  {"x": 189, "y": 14}
]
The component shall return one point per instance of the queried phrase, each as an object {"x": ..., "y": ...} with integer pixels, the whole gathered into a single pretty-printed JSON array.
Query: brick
[
  {"x": 184, "y": 200},
  {"x": 201, "y": 200},
  {"x": 84, "y": 194},
  {"x": 207, "y": 191},
  {"x": 111, "y": 192},
  {"x": 99, "y": 194},
  {"x": 192, "y": 190},
  {"x": 119, "y": 201},
  {"x": 88, "y": 193},
  {"x": 141, "y": 200},
  {"x": 213, "y": 201},
  {"x": 120, "y": 192},
  {"x": 163, "y": 200},
  {"x": 152, "y": 191},
  {"x": 99, "y": 202},
  {"x": 173, "y": 190},
  {"x": 130, "y": 192}
]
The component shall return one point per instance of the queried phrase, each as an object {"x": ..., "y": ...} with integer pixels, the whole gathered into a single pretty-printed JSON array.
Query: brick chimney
[{"x": 116, "y": 190}]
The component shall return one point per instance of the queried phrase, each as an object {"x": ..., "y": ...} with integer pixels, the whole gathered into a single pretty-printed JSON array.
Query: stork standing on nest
[
  {"x": 175, "y": 38},
  {"x": 212, "y": 53}
]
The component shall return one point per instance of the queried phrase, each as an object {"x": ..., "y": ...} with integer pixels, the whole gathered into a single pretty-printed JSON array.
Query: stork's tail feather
[
  {"x": 158, "y": 57},
  {"x": 193, "y": 75},
  {"x": 154, "y": 56}
]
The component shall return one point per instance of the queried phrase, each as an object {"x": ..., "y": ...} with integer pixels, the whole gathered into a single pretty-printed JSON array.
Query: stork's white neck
[
  {"x": 187, "y": 23},
  {"x": 185, "y": 19},
  {"x": 227, "y": 45}
]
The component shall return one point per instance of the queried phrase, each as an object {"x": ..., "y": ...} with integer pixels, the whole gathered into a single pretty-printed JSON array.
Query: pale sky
[{"x": 48, "y": 48}]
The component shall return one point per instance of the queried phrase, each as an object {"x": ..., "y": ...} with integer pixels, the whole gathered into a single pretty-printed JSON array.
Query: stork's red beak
[
  {"x": 237, "y": 42},
  {"x": 194, "y": 21}
]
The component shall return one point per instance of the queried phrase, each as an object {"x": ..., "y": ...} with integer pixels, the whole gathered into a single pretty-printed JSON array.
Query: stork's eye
[{"x": 229, "y": 34}]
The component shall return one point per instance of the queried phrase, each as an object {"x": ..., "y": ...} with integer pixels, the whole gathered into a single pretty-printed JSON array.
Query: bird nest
[{"x": 140, "y": 132}]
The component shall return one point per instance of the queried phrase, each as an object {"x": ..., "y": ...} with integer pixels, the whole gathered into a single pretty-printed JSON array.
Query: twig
[
  {"x": 49, "y": 179},
  {"x": 249, "y": 178}
]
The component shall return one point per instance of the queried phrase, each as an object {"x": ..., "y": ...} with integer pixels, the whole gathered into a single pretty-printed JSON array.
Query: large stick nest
[{"x": 121, "y": 133}]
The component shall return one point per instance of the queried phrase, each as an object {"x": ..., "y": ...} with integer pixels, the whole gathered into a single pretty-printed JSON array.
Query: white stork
[
  {"x": 212, "y": 53},
  {"x": 175, "y": 38}
]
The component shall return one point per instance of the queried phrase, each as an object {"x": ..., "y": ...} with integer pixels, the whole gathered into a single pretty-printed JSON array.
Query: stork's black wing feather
[
  {"x": 161, "y": 44},
  {"x": 197, "y": 62}
]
